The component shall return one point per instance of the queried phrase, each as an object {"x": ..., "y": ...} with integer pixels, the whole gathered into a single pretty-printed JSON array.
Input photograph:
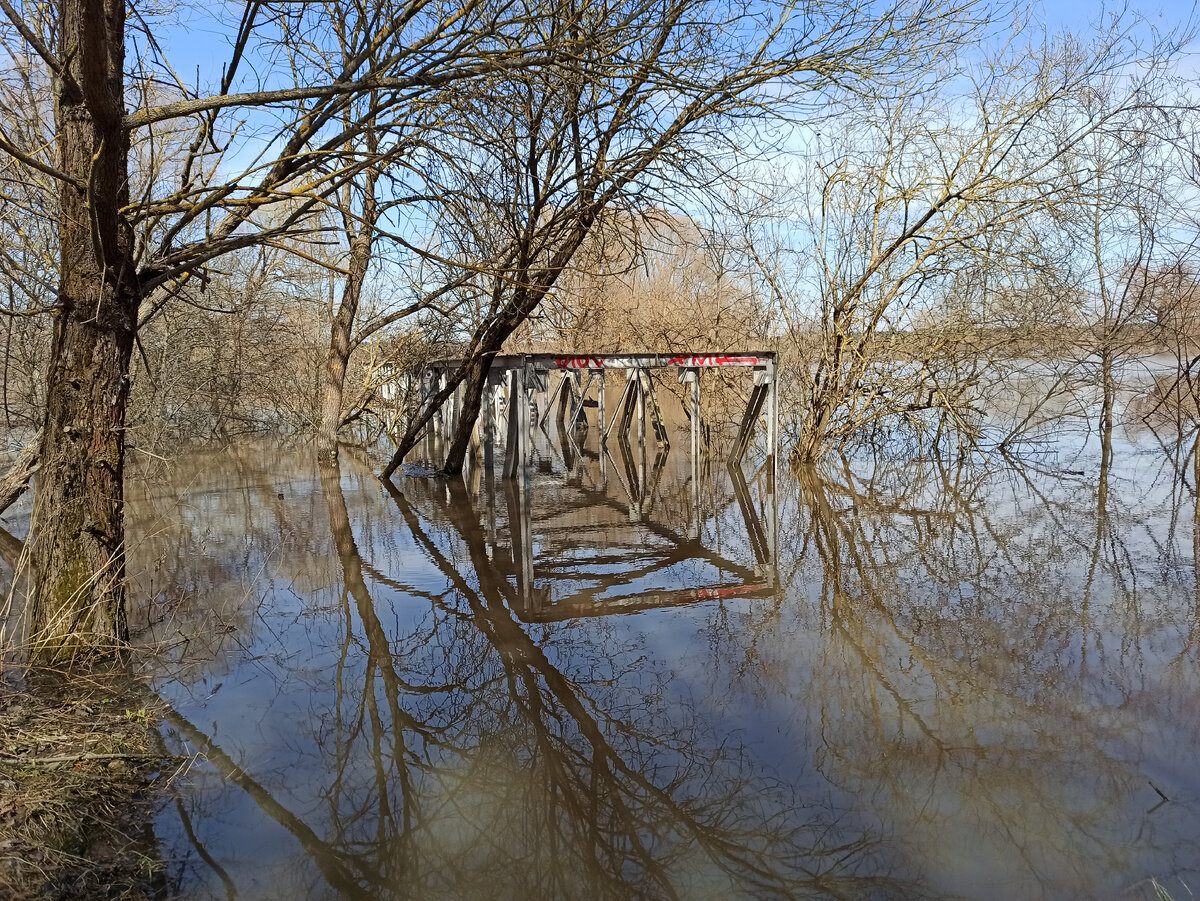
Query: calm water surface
[{"x": 976, "y": 681}]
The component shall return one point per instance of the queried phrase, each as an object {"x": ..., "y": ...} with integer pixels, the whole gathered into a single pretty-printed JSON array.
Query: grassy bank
[{"x": 80, "y": 765}]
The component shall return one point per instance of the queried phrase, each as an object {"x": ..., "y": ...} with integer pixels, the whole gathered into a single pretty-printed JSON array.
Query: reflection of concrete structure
[
  {"x": 615, "y": 590},
  {"x": 582, "y": 554}
]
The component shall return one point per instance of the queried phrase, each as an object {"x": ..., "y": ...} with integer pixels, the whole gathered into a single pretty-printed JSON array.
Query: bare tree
[
  {"x": 933, "y": 236},
  {"x": 240, "y": 358},
  {"x": 123, "y": 255},
  {"x": 1125, "y": 184},
  {"x": 659, "y": 281},
  {"x": 660, "y": 100}
]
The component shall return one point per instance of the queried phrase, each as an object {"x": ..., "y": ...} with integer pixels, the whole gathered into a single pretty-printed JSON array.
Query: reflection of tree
[
  {"x": 631, "y": 799},
  {"x": 204, "y": 540},
  {"x": 405, "y": 736},
  {"x": 970, "y": 675},
  {"x": 461, "y": 753},
  {"x": 343, "y": 872},
  {"x": 1178, "y": 440},
  {"x": 992, "y": 646}
]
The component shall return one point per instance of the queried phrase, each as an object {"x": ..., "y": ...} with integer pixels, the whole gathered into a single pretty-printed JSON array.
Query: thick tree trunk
[
  {"x": 807, "y": 449},
  {"x": 424, "y": 413},
  {"x": 342, "y": 329},
  {"x": 336, "y": 361},
  {"x": 474, "y": 372},
  {"x": 77, "y": 600}
]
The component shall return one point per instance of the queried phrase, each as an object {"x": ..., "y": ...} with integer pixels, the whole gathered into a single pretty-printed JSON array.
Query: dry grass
[{"x": 80, "y": 762}]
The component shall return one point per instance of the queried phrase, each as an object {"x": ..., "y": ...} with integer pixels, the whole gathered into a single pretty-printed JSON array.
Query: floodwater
[{"x": 928, "y": 681}]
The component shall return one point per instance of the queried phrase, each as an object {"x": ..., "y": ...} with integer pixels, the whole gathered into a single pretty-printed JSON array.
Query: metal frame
[{"x": 525, "y": 373}]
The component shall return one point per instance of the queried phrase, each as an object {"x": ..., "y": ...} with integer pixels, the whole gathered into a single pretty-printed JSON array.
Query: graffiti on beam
[
  {"x": 621, "y": 361},
  {"x": 579, "y": 362},
  {"x": 712, "y": 360}
]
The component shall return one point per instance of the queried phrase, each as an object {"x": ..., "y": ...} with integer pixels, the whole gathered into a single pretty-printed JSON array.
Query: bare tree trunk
[
  {"x": 424, "y": 413},
  {"x": 810, "y": 444},
  {"x": 475, "y": 370},
  {"x": 336, "y": 361},
  {"x": 342, "y": 328},
  {"x": 476, "y": 379},
  {"x": 340, "y": 347},
  {"x": 77, "y": 602},
  {"x": 497, "y": 332}
]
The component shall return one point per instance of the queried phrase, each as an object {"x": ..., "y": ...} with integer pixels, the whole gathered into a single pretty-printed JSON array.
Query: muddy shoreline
[{"x": 81, "y": 768}]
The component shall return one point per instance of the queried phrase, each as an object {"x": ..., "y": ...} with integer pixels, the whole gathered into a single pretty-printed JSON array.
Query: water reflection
[
  {"x": 947, "y": 680},
  {"x": 622, "y": 791},
  {"x": 1009, "y": 648},
  {"x": 589, "y": 562},
  {"x": 453, "y": 750}
]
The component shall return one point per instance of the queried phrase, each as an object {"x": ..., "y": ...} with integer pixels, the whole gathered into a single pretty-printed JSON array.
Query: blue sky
[{"x": 203, "y": 38}]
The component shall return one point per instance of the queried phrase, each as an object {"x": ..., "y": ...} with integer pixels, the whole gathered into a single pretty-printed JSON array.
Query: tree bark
[
  {"x": 342, "y": 327},
  {"x": 77, "y": 600}
]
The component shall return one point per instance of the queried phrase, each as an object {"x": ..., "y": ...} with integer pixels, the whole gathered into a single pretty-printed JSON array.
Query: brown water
[{"x": 979, "y": 681}]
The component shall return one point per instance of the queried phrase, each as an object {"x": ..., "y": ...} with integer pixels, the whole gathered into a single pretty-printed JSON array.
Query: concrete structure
[{"x": 520, "y": 376}]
